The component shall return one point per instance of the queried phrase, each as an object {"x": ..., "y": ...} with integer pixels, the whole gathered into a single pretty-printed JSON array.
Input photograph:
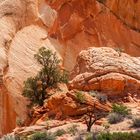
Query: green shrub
[
  {"x": 114, "y": 118},
  {"x": 60, "y": 132},
  {"x": 136, "y": 122},
  {"x": 49, "y": 76},
  {"x": 120, "y": 109},
  {"x": 73, "y": 129},
  {"x": 42, "y": 136},
  {"x": 80, "y": 97},
  {"x": 118, "y": 136},
  {"x": 19, "y": 122},
  {"x": 89, "y": 136}
]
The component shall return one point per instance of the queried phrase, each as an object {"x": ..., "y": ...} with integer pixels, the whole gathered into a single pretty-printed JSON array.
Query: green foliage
[
  {"x": 136, "y": 122},
  {"x": 118, "y": 113},
  {"x": 80, "y": 97},
  {"x": 114, "y": 118},
  {"x": 89, "y": 136},
  {"x": 42, "y": 136},
  {"x": 19, "y": 122},
  {"x": 49, "y": 76},
  {"x": 120, "y": 109},
  {"x": 118, "y": 136},
  {"x": 73, "y": 129},
  {"x": 60, "y": 132}
]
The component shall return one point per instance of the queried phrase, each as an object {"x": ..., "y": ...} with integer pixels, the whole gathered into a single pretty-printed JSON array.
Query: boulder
[
  {"x": 106, "y": 70},
  {"x": 66, "y": 104}
]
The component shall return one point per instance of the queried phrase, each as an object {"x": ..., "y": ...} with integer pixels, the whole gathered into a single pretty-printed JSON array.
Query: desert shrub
[
  {"x": 136, "y": 122},
  {"x": 114, "y": 118},
  {"x": 19, "y": 122},
  {"x": 106, "y": 126},
  {"x": 43, "y": 136},
  {"x": 80, "y": 97},
  {"x": 89, "y": 136},
  {"x": 73, "y": 129},
  {"x": 118, "y": 136},
  {"x": 49, "y": 76},
  {"x": 120, "y": 109},
  {"x": 119, "y": 50},
  {"x": 101, "y": 97},
  {"x": 60, "y": 132},
  {"x": 9, "y": 137},
  {"x": 93, "y": 93}
]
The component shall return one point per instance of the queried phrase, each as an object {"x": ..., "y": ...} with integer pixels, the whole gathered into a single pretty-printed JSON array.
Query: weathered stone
[
  {"x": 66, "y": 104},
  {"x": 105, "y": 70}
]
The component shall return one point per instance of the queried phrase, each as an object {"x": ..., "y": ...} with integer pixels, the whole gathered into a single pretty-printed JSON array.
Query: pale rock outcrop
[
  {"x": 106, "y": 70},
  {"x": 14, "y": 15}
]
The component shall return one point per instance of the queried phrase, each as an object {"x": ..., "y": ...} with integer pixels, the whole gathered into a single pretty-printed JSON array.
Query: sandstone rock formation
[
  {"x": 67, "y": 104},
  {"x": 64, "y": 26},
  {"x": 6, "y": 111},
  {"x": 123, "y": 8},
  {"x": 85, "y": 23},
  {"x": 107, "y": 70}
]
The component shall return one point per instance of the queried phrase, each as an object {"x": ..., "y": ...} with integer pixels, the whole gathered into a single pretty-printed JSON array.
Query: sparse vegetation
[
  {"x": 80, "y": 97},
  {"x": 119, "y": 112},
  {"x": 43, "y": 136},
  {"x": 9, "y": 137},
  {"x": 60, "y": 132},
  {"x": 73, "y": 129},
  {"x": 118, "y": 136},
  {"x": 119, "y": 50},
  {"x": 89, "y": 136},
  {"x": 120, "y": 109},
  {"x": 136, "y": 122},
  {"x": 93, "y": 93},
  {"x": 106, "y": 126},
  {"x": 49, "y": 76},
  {"x": 92, "y": 116},
  {"x": 19, "y": 122},
  {"x": 114, "y": 118},
  {"x": 101, "y": 97}
]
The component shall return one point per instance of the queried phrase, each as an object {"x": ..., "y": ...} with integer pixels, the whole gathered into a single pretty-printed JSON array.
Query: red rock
[{"x": 66, "y": 104}]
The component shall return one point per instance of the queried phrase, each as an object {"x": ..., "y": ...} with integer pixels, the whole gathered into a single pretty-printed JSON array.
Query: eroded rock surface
[
  {"x": 72, "y": 26},
  {"x": 86, "y": 23},
  {"x": 107, "y": 70},
  {"x": 67, "y": 104}
]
